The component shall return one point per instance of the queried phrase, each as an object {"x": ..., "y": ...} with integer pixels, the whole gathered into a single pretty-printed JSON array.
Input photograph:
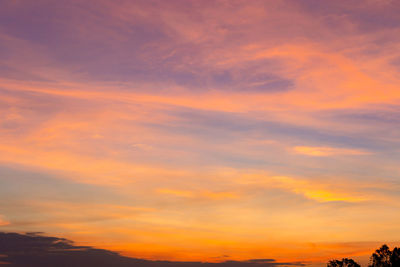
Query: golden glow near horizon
[{"x": 202, "y": 130}]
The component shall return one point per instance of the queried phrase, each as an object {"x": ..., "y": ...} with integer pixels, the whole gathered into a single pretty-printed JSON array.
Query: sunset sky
[{"x": 205, "y": 130}]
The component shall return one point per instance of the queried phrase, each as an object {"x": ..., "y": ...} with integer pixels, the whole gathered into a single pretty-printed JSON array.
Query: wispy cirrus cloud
[{"x": 243, "y": 127}]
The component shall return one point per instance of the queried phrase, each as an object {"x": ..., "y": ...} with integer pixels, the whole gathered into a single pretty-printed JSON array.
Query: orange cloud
[
  {"x": 199, "y": 194},
  {"x": 3, "y": 222},
  {"x": 84, "y": 168},
  {"x": 316, "y": 189},
  {"x": 327, "y": 151},
  {"x": 178, "y": 193}
]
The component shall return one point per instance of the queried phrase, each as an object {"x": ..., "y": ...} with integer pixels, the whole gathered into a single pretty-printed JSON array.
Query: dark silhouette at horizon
[
  {"x": 37, "y": 250},
  {"x": 345, "y": 262},
  {"x": 382, "y": 257}
]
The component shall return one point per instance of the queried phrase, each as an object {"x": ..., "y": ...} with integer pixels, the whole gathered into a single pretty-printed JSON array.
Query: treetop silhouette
[{"x": 382, "y": 257}]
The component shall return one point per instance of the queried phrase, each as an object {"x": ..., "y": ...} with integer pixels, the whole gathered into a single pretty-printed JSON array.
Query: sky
[{"x": 203, "y": 130}]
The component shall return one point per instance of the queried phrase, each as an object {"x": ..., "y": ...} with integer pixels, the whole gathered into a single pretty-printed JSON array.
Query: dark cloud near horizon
[{"x": 35, "y": 249}]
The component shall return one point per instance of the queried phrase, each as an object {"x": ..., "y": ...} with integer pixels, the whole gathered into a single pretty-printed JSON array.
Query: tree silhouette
[
  {"x": 395, "y": 258},
  {"x": 343, "y": 263},
  {"x": 384, "y": 257}
]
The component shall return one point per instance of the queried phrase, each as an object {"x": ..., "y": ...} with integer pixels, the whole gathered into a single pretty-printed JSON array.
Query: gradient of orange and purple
[{"x": 203, "y": 130}]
